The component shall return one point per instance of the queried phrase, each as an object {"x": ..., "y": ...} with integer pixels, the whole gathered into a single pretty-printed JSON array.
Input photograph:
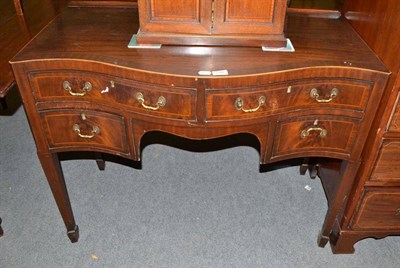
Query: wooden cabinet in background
[
  {"x": 19, "y": 22},
  {"x": 212, "y": 22},
  {"x": 374, "y": 209}
]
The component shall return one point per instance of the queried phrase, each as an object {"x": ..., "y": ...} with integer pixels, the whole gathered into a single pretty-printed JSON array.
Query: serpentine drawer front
[
  {"x": 85, "y": 129},
  {"x": 307, "y": 94},
  {"x": 315, "y": 135},
  {"x": 142, "y": 97},
  {"x": 379, "y": 209}
]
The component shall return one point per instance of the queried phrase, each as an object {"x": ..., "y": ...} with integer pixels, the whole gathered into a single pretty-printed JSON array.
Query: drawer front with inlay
[
  {"x": 387, "y": 168},
  {"x": 82, "y": 130},
  {"x": 275, "y": 98},
  {"x": 141, "y": 97},
  {"x": 317, "y": 135},
  {"x": 379, "y": 209},
  {"x": 395, "y": 122}
]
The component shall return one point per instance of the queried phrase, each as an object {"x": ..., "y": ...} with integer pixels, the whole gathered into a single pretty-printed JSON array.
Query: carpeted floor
[{"x": 181, "y": 209}]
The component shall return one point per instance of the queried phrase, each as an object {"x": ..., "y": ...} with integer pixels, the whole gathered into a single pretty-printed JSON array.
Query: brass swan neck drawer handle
[
  {"x": 239, "y": 103},
  {"x": 160, "y": 102},
  {"x": 322, "y": 132},
  {"x": 86, "y": 88},
  {"x": 77, "y": 129},
  {"x": 315, "y": 95}
]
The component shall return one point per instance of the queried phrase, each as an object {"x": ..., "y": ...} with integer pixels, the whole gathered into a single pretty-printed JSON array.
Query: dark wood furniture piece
[
  {"x": 13, "y": 34},
  {"x": 212, "y": 22},
  {"x": 89, "y": 92},
  {"x": 19, "y": 21},
  {"x": 374, "y": 210}
]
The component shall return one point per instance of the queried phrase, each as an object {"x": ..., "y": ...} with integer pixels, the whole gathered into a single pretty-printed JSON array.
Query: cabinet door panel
[
  {"x": 175, "y": 16},
  {"x": 249, "y": 16}
]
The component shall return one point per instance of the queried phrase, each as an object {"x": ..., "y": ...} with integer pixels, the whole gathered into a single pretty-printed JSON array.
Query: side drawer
[
  {"x": 395, "y": 122},
  {"x": 387, "y": 165},
  {"x": 85, "y": 130},
  {"x": 379, "y": 209},
  {"x": 307, "y": 94},
  {"x": 168, "y": 101},
  {"x": 332, "y": 136}
]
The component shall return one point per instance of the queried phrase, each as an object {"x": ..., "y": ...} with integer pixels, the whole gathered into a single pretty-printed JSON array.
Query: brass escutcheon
[{"x": 398, "y": 212}]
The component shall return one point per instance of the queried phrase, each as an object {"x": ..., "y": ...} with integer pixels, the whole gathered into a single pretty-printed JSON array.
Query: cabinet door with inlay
[
  {"x": 175, "y": 16},
  {"x": 248, "y": 16}
]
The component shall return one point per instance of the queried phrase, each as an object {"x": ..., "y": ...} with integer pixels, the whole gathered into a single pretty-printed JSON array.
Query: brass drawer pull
[
  {"x": 77, "y": 129},
  {"x": 160, "y": 102},
  {"x": 314, "y": 94},
  {"x": 87, "y": 87},
  {"x": 322, "y": 132},
  {"x": 239, "y": 103}
]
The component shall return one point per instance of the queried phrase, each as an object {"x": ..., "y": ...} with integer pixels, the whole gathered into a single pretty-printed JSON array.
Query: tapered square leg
[
  {"x": 101, "y": 164},
  {"x": 344, "y": 180},
  {"x": 3, "y": 103},
  {"x": 52, "y": 169},
  {"x": 1, "y": 229},
  {"x": 73, "y": 235}
]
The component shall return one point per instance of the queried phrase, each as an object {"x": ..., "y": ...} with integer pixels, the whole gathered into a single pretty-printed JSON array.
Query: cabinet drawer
[
  {"x": 395, "y": 122},
  {"x": 82, "y": 130},
  {"x": 166, "y": 101},
  {"x": 317, "y": 135},
  {"x": 379, "y": 209},
  {"x": 305, "y": 94},
  {"x": 387, "y": 166}
]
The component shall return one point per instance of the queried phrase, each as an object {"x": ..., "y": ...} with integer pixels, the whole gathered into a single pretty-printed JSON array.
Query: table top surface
[{"x": 103, "y": 34}]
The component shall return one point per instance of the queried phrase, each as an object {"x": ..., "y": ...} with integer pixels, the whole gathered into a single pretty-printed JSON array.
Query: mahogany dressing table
[{"x": 84, "y": 90}]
